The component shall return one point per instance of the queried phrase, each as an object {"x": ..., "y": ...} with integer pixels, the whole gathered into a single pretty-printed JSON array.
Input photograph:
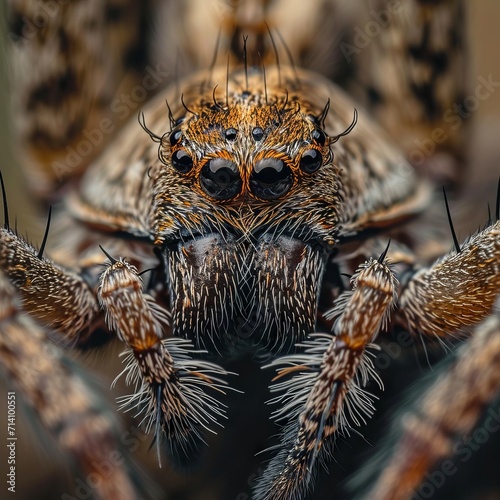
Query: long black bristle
[
  {"x": 450, "y": 221},
  {"x": 227, "y": 82},
  {"x": 45, "y": 235},
  {"x": 111, "y": 259},
  {"x": 245, "y": 62},
  {"x": 214, "y": 98},
  {"x": 285, "y": 102},
  {"x": 212, "y": 63},
  {"x": 384, "y": 253},
  {"x": 349, "y": 129},
  {"x": 142, "y": 123},
  {"x": 171, "y": 117},
  {"x": 290, "y": 59},
  {"x": 264, "y": 76},
  {"x": 324, "y": 114},
  {"x": 186, "y": 108},
  {"x": 6, "y": 224},
  {"x": 276, "y": 55}
]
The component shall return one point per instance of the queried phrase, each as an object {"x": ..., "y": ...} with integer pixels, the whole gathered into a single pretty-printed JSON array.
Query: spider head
[{"x": 250, "y": 162}]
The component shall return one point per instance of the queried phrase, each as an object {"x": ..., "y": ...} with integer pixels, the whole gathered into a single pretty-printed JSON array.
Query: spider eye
[
  {"x": 319, "y": 136},
  {"x": 257, "y": 133},
  {"x": 271, "y": 178},
  {"x": 175, "y": 137},
  {"x": 311, "y": 160},
  {"x": 230, "y": 134},
  {"x": 220, "y": 178},
  {"x": 181, "y": 161}
]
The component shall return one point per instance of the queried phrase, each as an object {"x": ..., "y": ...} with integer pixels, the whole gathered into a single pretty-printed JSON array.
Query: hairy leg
[
  {"x": 52, "y": 294},
  {"x": 329, "y": 386},
  {"x": 75, "y": 416},
  {"x": 459, "y": 290},
  {"x": 447, "y": 411},
  {"x": 170, "y": 387}
]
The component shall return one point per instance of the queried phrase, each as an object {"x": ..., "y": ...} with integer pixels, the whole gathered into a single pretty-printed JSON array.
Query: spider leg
[
  {"x": 171, "y": 387},
  {"x": 74, "y": 415},
  {"x": 53, "y": 295},
  {"x": 458, "y": 290},
  {"x": 449, "y": 409},
  {"x": 331, "y": 373}
]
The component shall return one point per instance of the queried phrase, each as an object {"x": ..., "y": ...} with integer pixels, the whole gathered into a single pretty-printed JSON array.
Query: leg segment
[
  {"x": 75, "y": 417},
  {"x": 458, "y": 290},
  {"x": 332, "y": 371},
  {"x": 450, "y": 408},
  {"x": 53, "y": 295},
  {"x": 170, "y": 386}
]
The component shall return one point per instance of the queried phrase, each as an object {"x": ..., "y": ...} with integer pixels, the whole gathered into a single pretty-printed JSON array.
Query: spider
[{"x": 253, "y": 209}]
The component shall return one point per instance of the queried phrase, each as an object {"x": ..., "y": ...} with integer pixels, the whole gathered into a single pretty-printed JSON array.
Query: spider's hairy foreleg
[
  {"x": 76, "y": 417},
  {"x": 458, "y": 290},
  {"x": 449, "y": 409},
  {"x": 170, "y": 386},
  {"x": 331, "y": 373},
  {"x": 53, "y": 295}
]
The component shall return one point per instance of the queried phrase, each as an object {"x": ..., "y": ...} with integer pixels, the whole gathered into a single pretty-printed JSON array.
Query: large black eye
[
  {"x": 181, "y": 161},
  {"x": 311, "y": 160},
  {"x": 220, "y": 179},
  {"x": 271, "y": 178},
  {"x": 175, "y": 137},
  {"x": 319, "y": 136},
  {"x": 230, "y": 134}
]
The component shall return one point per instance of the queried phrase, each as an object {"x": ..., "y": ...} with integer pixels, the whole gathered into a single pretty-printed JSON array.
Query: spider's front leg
[
  {"x": 331, "y": 373},
  {"x": 50, "y": 383},
  {"x": 448, "y": 411},
  {"x": 53, "y": 295},
  {"x": 170, "y": 386},
  {"x": 458, "y": 291}
]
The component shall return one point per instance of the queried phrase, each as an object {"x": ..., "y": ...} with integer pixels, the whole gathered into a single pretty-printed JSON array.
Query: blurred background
[{"x": 42, "y": 472}]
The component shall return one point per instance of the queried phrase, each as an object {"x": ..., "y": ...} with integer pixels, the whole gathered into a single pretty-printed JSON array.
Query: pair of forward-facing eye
[{"x": 270, "y": 179}]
